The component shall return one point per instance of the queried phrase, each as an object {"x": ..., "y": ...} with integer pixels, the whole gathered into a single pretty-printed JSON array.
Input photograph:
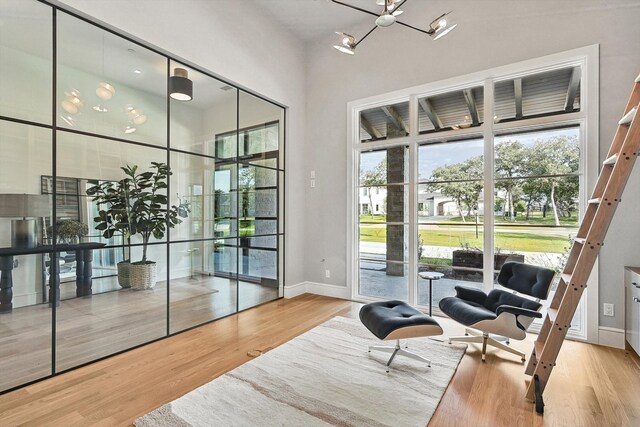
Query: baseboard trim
[
  {"x": 291, "y": 291},
  {"x": 611, "y": 337},
  {"x": 327, "y": 290},
  {"x": 317, "y": 288}
]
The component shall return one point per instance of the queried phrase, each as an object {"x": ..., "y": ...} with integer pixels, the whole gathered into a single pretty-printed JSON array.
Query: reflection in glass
[
  {"x": 25, "y": 60},
  {"x": 212, "y": 111},
  {"x": 203, "y": 288},
  {"x": 25, "y": 317},
  {"x": 192, "y": 183},
  {"x": 109, "y": 322},
  {"x": 261, "y": 138},
  {"x": 99, "y": 90},
  {"x": 257, "y": 270}
]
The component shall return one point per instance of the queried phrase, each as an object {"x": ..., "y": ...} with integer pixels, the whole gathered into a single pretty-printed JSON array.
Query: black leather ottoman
[{"x": 396, "y": 320}]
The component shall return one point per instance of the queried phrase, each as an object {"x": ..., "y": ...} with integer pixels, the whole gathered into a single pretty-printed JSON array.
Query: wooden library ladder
[{"x": 585, "y": 248}]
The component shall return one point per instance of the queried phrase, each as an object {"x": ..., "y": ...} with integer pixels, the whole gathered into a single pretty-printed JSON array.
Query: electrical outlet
[
  {"x": 313, "y": 174},
  {"x": 327, "y": 273},
  {"x": 313, "y": 183},
  {"x": 608, "y": 310}
]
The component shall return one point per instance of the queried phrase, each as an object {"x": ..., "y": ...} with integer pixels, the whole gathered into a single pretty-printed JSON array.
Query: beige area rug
[{"x": 324, "y": 377}]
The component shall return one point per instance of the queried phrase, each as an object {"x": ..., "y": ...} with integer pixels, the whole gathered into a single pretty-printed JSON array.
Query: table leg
[
  {"x": 430, "y": 296},
  {"x": 79, "y": 273},
  {"x": 84, "y": 272},
  {"x": 6, "y": 284},
  {"x": 54, "y": 279}
]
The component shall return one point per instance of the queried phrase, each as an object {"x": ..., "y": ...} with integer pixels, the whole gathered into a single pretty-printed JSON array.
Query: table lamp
[{"x": 27, "y": 207}]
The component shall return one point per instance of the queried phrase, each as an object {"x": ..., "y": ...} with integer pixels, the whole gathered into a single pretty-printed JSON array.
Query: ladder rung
[
  {"x": 552, "y": 313},
  {"x": 538, "y": 346},
  {"x": 627, "y": 118},
  {"x": 580, "y": 240},
  {"x": 594, "y": 201},
  {"x": 611, "y": 160}
]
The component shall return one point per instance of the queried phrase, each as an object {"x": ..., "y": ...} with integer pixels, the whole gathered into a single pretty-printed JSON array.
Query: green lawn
[
  {"x": 511, "y": 241},
  {"x": 535, "y": 218}
]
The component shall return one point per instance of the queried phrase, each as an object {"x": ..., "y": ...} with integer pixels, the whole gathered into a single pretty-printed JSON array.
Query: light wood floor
[
  {"x": 89, "y": 328},
  {"x": 591, "y": 385}
]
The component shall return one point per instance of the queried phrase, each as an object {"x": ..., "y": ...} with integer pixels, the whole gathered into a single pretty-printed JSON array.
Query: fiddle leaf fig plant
[
  {"x": 149, "y": 213},
  {"x": 136, "y": 205}
]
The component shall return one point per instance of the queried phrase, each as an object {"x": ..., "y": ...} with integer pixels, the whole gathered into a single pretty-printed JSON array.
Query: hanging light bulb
[
  {"x": 72, "y": 102},
  {"x": 137, "y": 116},
  {"x": 105, "y": 91},
  {"x": 348, "y": 44},
  {"x": 440, "y": 26}
]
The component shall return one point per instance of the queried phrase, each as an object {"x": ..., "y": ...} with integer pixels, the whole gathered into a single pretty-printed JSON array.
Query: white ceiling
[{"x": 313, "y": 19}]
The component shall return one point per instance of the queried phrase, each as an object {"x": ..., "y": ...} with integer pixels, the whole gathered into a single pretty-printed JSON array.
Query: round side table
[{"x": 431, "y": 276}]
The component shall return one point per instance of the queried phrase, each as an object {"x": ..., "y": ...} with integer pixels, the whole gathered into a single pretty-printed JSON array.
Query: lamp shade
[
  {"x": 24, "y": 205},
  {"x": 180, "y": 87}
]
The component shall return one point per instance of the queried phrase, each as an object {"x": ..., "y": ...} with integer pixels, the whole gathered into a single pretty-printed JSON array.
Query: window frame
[{"x": 587, "y": 119}]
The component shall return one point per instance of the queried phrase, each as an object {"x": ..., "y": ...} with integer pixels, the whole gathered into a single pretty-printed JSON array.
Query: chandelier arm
[
  {"x": 428, "y": 32},
  {"x": 365, "y": 36}
]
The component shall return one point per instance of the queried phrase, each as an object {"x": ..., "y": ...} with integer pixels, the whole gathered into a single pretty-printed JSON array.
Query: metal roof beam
[
  {"x": 517, "y": 90},
  {"x": 395, "y": 117},
  {"x": 471, "y": 104},
  {"x": 364, "y": 124},
  {"x": 431, "y": 113},
  {"x": 572, "y": 90}
]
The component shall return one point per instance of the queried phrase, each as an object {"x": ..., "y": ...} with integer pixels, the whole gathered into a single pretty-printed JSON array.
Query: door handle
[
  {"x": 636, "y": 299},
  {"x": 635, "y": 284}
]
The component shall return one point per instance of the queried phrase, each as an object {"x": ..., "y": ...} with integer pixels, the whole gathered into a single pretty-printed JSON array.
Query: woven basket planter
[
  {"x": 123, "y": 274},
  {"x": 143, "y": 276}
]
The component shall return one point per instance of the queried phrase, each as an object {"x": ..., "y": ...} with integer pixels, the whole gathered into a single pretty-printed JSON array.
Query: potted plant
[
  {"x": 112, "y": 199},
  {"x": 149, "y": 215},
  {"x": 70, "y": 231}
]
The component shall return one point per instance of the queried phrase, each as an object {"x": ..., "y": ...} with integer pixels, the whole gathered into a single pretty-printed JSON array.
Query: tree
[
  {"x": 551, "y": 157},
  {"x": 459, "y": 181},
  {"x": 375, "y": 177},
  {"x": 510, "y": 162}
]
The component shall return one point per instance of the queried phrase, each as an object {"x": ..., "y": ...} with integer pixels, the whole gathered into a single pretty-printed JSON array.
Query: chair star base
[
  {"x": 473, "y": 336},
  {"x": 397, "y": 350}
]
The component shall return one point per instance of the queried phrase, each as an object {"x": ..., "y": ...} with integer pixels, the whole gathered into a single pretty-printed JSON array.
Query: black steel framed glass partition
[{"x": 84, "y": 274}]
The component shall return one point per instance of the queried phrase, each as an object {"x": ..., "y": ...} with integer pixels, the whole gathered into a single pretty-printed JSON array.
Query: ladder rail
[{"x": 612, "y": 180}]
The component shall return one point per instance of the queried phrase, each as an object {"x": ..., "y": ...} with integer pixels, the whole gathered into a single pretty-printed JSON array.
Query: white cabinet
[{"x": 632, "y": 298}]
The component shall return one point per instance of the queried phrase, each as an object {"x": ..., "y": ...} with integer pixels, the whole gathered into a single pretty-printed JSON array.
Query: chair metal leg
[
  {"x": 398, "y": 350},
  {"x": 501, "y": 346},
  {"x": 393, "y": 355}
]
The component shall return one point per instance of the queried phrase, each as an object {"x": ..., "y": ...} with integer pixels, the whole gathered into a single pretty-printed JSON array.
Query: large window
[
  {"x": 92, "y": 113},
  {"x": 460, "y": 180}
]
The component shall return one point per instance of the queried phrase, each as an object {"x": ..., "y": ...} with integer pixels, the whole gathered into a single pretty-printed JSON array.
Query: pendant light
[
  {"x": 105, "y": 91},
  {"x": 180, "y": 87}
]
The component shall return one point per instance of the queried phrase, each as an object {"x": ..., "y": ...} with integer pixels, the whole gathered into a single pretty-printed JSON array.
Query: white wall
[
  {"x": 235, "y": 41},
  {"x": 491, "y": 33}
]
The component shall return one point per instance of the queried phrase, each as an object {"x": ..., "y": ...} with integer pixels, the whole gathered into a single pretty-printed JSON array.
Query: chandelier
[{"x": 437, "y": 28}]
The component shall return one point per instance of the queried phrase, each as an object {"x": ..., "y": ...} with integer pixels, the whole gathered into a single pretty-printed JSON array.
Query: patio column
[{"x": 395, "y": 209}]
